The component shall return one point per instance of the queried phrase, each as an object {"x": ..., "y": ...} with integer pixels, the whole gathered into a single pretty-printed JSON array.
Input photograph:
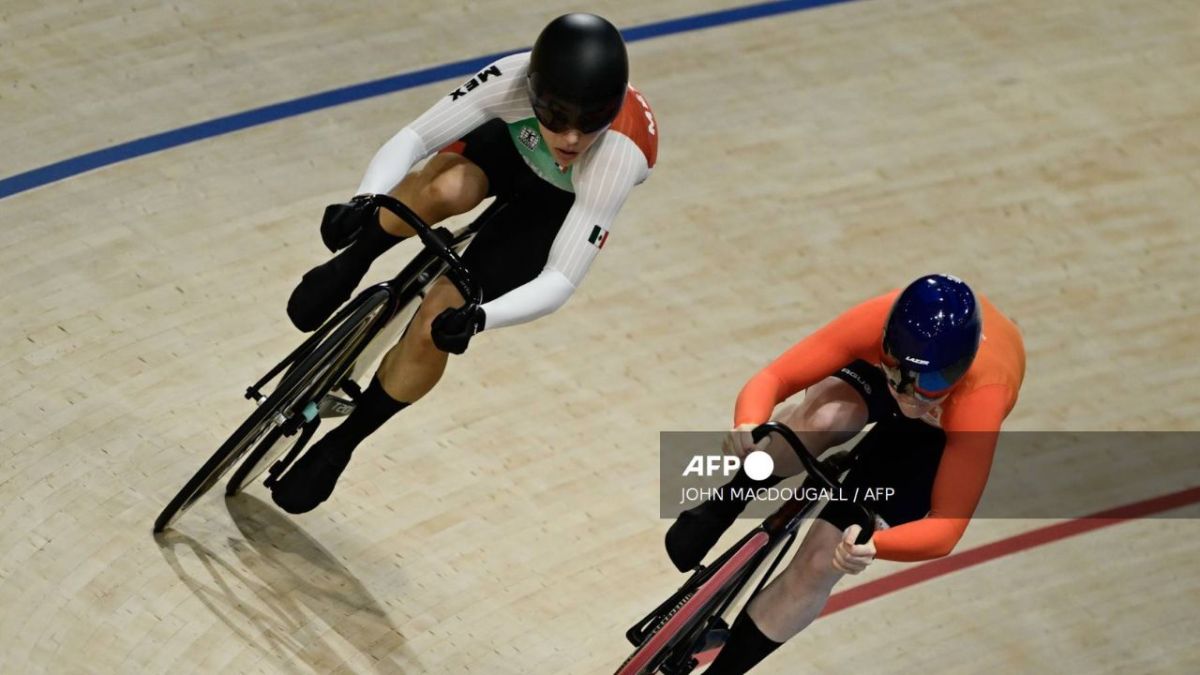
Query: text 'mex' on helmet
[
  {"x": 931, "y": 336},
  {"x": 578, "y": 74}
]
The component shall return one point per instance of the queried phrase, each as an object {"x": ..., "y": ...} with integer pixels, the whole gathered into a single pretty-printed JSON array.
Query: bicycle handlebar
[
  {"x": 816, "y": 470},
  {"x": 459, "y": 275}
]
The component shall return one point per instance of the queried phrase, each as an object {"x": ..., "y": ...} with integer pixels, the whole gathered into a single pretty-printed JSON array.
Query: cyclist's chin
[
  {"x": 565, "y": 158},
  {"x": 911, "y": 407}
]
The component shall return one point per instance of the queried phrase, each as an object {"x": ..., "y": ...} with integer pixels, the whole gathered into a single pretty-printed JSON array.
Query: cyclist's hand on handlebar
[
  {"x": 851, "y": 558},
  {"x": 738, "y": 442},
  {"x": 453, "y": 328}
]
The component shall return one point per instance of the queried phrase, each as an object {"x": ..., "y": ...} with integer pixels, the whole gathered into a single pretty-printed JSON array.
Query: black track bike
[
  {"x": 321, "y": 377},
  {"x": 673, "y": 637}
]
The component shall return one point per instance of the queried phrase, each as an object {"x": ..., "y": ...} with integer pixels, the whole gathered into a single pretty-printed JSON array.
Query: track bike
[
  {"x": 689, "y": 626},
  {"x": 322, "y": 377}
]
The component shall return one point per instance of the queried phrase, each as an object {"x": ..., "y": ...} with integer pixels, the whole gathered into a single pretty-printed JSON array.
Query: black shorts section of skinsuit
[
  {"x": 897, "y": 452},
  {"x": 518, "y": 229}
]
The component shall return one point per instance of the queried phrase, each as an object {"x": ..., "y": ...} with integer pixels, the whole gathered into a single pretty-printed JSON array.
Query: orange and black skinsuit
[{"x": 970, "y": 416}]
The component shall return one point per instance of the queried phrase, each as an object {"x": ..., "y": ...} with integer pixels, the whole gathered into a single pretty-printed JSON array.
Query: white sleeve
[
  {"x": 496, "y": 90},
  {"x": 603, "y": 181},
  {"x": 546, "y": 293},
  {"x": 389, "y": 166}
]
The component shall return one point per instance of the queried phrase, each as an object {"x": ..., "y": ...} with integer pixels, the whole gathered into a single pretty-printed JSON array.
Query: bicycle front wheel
[
  {"x": 280, "y": 406},
  {"x": 313, "y": 378},
  {"x": 693, "y": 609}
]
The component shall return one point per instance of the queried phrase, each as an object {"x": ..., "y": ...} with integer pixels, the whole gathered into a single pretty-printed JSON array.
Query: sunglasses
[
  {"x": 559, "y": 116},
  {"x": 561, "y": 119}
]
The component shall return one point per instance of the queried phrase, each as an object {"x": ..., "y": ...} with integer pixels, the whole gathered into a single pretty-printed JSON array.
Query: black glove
[
  {"x": 453, "y": 328},
  {"x": 342, "y": 223}
]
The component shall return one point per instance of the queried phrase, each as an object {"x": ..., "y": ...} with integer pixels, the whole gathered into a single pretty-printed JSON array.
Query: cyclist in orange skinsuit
[{"x": 937, "y": 386}]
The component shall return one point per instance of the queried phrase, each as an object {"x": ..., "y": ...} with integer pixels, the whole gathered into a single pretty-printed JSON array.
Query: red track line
[{"x": 1021, "y": 542}]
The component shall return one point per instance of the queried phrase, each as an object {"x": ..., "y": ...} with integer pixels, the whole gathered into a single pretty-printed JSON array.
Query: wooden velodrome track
[{"x": 1047, "y": 152}]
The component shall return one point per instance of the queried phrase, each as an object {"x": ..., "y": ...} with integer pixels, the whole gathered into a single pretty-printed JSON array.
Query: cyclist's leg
[
  {"x": 899, "y": 453},
  {"x": 789, "y": 603},
  {"x": 483, "y": 164},
  {"x": 795, "y": 597},
  {"x": 460, "y": 176},
  {"x": 447, "y": 185},
  {"x": 510, "y": 250},
  {"x": 450, "y": 184},
  {"x": 408, "y": 371},
  {"x": 831, "y": 413},
  {"x": 412, "y": 367}
]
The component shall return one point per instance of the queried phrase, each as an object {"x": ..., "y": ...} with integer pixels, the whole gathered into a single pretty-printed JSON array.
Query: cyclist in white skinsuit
[{"x": 559, "y": 138}]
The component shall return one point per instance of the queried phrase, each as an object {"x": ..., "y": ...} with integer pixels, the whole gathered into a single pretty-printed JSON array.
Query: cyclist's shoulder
[
  {"x": 980, "y": 402},
  {"x": 636, "y": 122},
  {"x": 619, "y": 157},
  {"x": 513, "y": 64},
  {"x": 1001, "y": 357},
  {"x": 504, "y": 74},
  {"x": 1001, "y": 333}
]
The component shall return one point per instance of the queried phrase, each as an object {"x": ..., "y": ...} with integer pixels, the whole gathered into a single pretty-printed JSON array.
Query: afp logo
[
  {"x": 480, "y": 77},
  {"x": 758, "y": 465}
]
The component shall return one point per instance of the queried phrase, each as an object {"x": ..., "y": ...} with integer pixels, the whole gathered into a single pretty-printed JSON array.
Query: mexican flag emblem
[{"x": 599, "y": 236}]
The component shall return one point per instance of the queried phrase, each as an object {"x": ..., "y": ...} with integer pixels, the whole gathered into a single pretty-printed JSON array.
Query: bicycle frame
[
  {"x": 308, "y": 372},
  {"x": 440, "y": 243},
  {"x": 666, "y": 638}
]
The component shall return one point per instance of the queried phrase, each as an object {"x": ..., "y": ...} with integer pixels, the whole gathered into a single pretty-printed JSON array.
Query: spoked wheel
[{"x": 283, "y": 409}]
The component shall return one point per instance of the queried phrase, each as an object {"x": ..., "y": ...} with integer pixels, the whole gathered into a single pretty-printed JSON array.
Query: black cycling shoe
[
  {"x": 311, "y": 479},
  {"x": 322, "y": 290},
  {"x": 695, "y": 532},
  {"x": 342, "y": 223}
]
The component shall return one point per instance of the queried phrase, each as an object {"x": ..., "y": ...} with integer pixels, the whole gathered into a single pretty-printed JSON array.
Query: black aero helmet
[{"x": 578, "y": 73}]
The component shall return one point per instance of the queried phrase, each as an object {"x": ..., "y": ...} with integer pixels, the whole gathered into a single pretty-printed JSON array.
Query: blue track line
[{"x": 74, "y": 166}]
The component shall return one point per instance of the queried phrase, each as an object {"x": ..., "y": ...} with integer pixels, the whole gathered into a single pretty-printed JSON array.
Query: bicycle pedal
[
  {"x": 700, "y": 653},
  {"x": 308, "y": 428},
  {"x": 275, "y": 471},
  {"x": 714, "y": 638},
  {"x": 272, "y": 476},
  {"x": 679, "y": 669}
]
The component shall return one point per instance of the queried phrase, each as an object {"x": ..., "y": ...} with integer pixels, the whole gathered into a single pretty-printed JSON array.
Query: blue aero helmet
[{"x": 931, "y": 336}]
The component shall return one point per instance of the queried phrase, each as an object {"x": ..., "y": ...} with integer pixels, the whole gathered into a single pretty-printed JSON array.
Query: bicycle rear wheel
[
  {"x": 693, "y": 609},
  {"x": 280, "y": 407}
]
